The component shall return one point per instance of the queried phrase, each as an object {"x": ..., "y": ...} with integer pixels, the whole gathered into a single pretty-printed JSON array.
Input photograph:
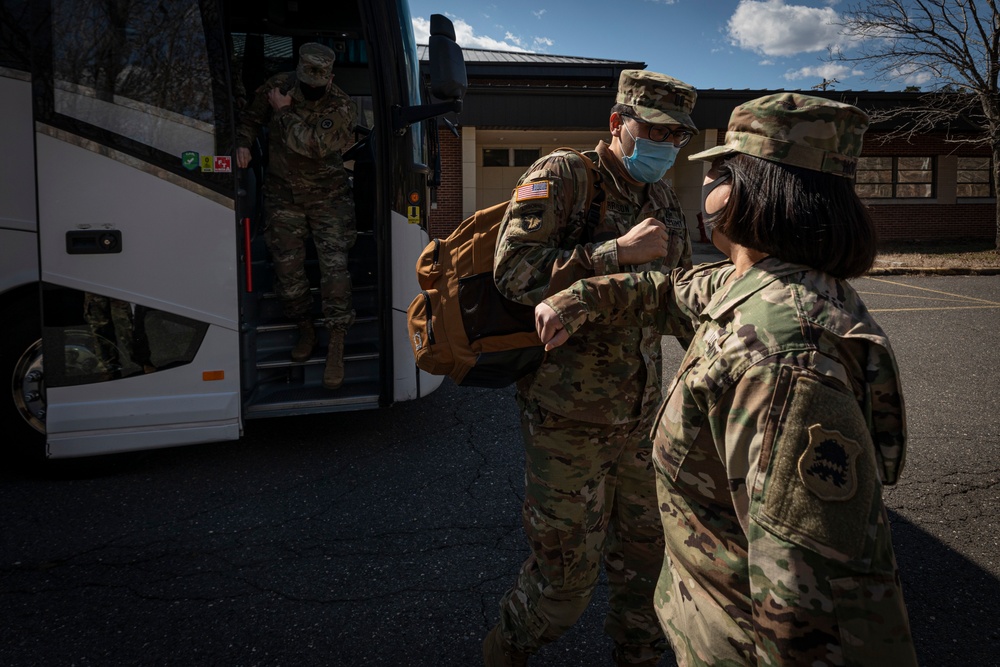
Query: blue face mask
[{"x": 650, "y": 159}]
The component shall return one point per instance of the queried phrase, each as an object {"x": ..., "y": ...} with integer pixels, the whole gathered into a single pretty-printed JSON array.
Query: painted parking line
[{"x": 968, "y": 302}]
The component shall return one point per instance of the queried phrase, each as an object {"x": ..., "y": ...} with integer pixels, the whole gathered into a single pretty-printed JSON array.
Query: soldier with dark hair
[
  {"x": 786, "y": 418},
  {"x": 307, "y": 193},
  {"x": 587, "y": 411}
]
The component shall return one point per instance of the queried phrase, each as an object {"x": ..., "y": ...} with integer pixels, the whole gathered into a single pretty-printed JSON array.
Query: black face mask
[
  {"x": 312, "y": 93},
  {"x": 710, "y": 219}
]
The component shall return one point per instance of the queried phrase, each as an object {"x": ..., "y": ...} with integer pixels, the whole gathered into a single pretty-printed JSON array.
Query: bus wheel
[
  {"x": 28, "y": 387},
  {"x": 23, "y": 409}
]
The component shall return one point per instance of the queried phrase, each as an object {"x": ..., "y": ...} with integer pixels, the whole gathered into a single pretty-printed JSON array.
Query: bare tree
[{"x": 954, "y": 45}]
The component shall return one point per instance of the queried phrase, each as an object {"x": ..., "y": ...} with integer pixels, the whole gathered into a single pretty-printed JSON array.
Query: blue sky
[{"x": 740, "y": 44}]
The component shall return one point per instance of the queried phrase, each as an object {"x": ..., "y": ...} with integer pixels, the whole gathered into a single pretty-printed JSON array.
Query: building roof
[
  {"x": 492, "y": 56},
  {"x": 489, "y": 67},
  {"x": 510, "y": 89}
]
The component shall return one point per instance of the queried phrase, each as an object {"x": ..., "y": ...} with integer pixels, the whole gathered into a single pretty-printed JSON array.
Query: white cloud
[
  {"x": 773, "y": 28},
  {"x": 913, "y": 75},
  {"x": 827, "y": 72},
  {"x": 466, "y": 36},
  {"x": 539, "y": 13},
  {"x": 543, "y": 42}
]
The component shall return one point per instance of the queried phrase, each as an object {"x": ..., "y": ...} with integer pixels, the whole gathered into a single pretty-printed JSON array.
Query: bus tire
[{"x": 23, "y": 406}]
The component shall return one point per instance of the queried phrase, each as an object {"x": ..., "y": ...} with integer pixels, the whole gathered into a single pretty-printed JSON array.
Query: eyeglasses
[{"x": 661, "y": 133}]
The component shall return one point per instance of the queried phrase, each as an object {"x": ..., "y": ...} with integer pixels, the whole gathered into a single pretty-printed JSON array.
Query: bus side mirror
[
  {"x": 447, "y": 73},
  {"x": 447, "y": 66}
]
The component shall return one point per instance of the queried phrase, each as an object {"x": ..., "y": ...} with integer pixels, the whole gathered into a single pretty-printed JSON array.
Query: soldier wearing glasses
[{"x": 586, "y": 413}]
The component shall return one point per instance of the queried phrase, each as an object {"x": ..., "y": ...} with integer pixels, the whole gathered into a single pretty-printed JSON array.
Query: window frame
[
  {"x": 896, "y": 183},
  {"x": 512, "y": 156},
  {"x": 988, "y": 173}
]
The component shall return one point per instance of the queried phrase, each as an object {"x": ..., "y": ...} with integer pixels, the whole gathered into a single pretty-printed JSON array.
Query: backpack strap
[{"x": 596, "y": 197}]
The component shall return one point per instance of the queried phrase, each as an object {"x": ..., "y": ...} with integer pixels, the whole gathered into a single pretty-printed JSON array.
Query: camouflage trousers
[
  {"x": 331, "y": 225},
  {"x": 589, "y": 499},
  {"x": 794, "y": 583}
]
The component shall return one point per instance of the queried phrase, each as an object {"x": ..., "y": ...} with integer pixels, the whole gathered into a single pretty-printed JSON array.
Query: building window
[
  {"x": 895, "y": 177},
  {"x": 525, "y": 157},
  {"x": 974, "y": 177},
  {"x": 509, "y": 157},
  {"x": 496, "y": 157}
]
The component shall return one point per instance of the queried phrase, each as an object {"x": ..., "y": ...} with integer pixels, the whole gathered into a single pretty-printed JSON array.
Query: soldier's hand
[
  {"x": 549, "y": 327},
  {"x": 278, "y": 100},
  {"x": 643, "y": 243},
  {"x": 243, "y": 157}
]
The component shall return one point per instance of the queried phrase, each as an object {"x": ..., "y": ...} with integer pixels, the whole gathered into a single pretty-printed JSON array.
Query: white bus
[{"x": 136, "y": 301}]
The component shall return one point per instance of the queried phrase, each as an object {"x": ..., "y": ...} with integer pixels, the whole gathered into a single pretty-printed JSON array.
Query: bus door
[
  {"x": 137, "y": 225},
  {"x": 266, "y": 38}
]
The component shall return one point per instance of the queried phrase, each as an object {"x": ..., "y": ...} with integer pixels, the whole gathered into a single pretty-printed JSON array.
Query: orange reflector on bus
[{"x": 209, "y": 376}]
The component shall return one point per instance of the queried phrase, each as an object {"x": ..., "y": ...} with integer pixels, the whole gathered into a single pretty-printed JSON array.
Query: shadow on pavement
[{"x": 951, "y": 600}]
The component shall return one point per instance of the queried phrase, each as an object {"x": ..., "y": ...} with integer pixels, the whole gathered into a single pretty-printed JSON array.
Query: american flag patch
[{"x": 536, "y": 190}]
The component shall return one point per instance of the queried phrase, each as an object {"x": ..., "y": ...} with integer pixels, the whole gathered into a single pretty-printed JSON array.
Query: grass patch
[{"x": 944, "y": 254}]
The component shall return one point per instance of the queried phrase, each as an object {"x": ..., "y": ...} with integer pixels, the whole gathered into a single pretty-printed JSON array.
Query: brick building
[{"x": 521, "y": 106}]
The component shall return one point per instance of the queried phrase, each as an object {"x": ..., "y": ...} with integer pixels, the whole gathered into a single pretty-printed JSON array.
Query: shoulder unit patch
[{"x": 828, "y": 467}]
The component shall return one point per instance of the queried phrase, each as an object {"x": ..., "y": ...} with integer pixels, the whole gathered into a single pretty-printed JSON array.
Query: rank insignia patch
[
  {"x": 535, "y": 190},
  {"x": 828, "y": 467}
]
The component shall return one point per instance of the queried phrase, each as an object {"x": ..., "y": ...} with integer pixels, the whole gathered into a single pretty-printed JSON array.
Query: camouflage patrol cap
[
  {"x": 315, "y": 64},
  {"x": 657, "y": 98},
  {"x": 799, "y": 130}
]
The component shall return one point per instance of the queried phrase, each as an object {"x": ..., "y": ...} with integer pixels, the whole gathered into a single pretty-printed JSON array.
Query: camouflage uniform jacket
[
  {"x": 604, "y": 375},
  {"x": 777, "y": 314},
  {"x": 768, "y": 450},
  {"x": 305, "y": 142}
]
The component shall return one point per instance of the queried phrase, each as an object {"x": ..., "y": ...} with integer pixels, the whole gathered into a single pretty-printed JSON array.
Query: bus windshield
[{"x": 413, "y": 77}]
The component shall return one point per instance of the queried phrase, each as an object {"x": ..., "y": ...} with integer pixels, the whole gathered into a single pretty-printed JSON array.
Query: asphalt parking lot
[{"x": 386, "y": 537}]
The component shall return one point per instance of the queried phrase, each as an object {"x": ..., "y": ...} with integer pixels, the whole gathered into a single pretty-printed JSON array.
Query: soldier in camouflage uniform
[
  {"x": 786, "y": 418},
  {"x": 586, "y": 412},
  {"x": 307, "y": 192}
]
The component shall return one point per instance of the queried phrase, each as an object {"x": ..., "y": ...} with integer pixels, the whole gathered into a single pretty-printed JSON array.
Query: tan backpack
[{"x": 460, "y": 325}]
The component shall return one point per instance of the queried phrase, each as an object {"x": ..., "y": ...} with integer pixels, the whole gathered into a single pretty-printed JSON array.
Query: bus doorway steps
[
  {"x": 276, "y": 340},
  {"x": 283, "y": 383},
  {"x": 289, "y": 387},
  {"x": 290, "y": 402},
  {"x": 274, "y": 336},
  {"x": 269, "y": 309}
]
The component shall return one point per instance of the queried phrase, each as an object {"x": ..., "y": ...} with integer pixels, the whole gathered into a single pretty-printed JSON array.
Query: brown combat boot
[
  {"x": 333, "y": 374},
  {"x": 307, "y": 341},
  {"x": 498, "y": 653}
]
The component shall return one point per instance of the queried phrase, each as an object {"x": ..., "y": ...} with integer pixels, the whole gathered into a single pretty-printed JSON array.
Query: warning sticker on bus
[{"x": 190, "y": 160}]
